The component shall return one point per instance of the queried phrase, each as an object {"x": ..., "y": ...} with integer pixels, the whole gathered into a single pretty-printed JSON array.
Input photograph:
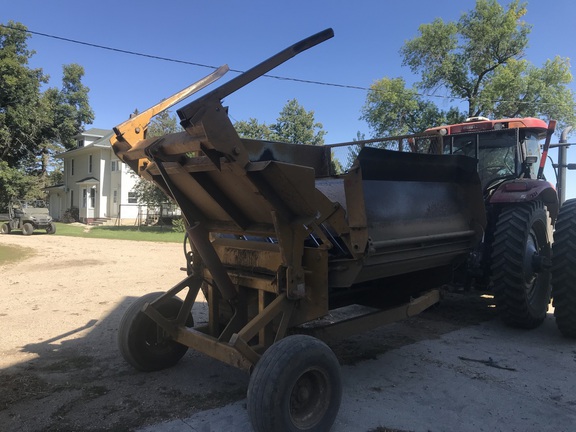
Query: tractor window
[
  {"x": 496, "y": 152},
  {"x": 464, "y": 146},
  {"x": 497, "y": 157},
  {"x": 532, "y": 148}
]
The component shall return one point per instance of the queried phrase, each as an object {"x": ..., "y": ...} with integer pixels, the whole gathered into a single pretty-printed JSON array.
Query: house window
[
  {"x": 113, "y": 166},
  {"x": 132, "y": 198},
  {"x": 84, "y": 197},
  {"x": 92, "y": 197},
  {"x": 90, "y": 163},
  {"x": 72, "y": 167},
  {"x": 115, "y": 196},
  {"x": 71, "y": 198},
  {"x": 81, "y": 142}
]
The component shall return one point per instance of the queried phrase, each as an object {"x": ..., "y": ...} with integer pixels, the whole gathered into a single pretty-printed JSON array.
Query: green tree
[
  {"x": 392, "y": 109},
  {"x": 479, "y": 59},
  {"x": 293, "y": 125},
  {"x": 354, "y": 150},
  {"x": 22, "y": 113},
  {"x": 162, "y": 124},
  {"x": 71, "y": 110},
  {"x": 14, "y": 182},
  {"x": 253, "y": 129},
  {"x": 296, "y": 125},
  {"x": 66, "y": 111},
  {"x": 146, "y": 191},
  {"x": 35, "y": 125},
  {"x": 524, "y": 90}
]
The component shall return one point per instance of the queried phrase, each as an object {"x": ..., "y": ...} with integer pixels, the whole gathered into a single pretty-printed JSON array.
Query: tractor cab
[{"x": 504, "y": 149}]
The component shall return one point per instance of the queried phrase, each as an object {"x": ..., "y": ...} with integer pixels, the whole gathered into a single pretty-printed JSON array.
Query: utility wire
[{"x": 155, "y": 57}]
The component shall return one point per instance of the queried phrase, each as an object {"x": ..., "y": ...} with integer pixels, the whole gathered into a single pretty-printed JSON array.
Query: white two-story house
[{"x": 95, "y": 182}]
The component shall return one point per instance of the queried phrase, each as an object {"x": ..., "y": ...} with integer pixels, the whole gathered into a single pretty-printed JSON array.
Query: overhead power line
[
  {"x": 156, "y": 57},
  {"x": 168, "y": 59}
]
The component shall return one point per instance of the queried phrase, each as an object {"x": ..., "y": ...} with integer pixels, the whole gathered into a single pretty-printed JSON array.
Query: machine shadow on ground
[{"x": 79, "y": 375}]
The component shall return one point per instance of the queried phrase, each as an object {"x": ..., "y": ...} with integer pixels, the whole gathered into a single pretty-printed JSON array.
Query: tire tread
[
  {"x": 507, "y": 272},
  {"x": 564, "y": 270}
]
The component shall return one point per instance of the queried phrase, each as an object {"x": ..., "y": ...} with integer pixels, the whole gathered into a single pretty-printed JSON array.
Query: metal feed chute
[{"x": 277, "y": 242}]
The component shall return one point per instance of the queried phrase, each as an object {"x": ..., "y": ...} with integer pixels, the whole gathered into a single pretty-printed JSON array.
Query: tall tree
[
  {"x": 479, "y": 59},
  {"x": 34, "y": 125},
  {"x": 66, "y": 111},
  {"x": 354, "y": 150},
  {"x": 253, "y": 129},
  {"x": 146, "y": 191},
  {"x": 293, "y": 125},
  {"x": 162, "y": 124},
  {"x": 30, "y": 119},
  {"x": 16, "y": 183},
  {"x": 296, "y": 125},
  {"x": 21, "y": 110},
  {"x": 393, "y": 109},
  {"x": 71, "y": 111}
]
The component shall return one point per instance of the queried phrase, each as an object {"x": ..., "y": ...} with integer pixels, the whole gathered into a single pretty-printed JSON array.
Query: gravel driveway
[{"x": 453, "y": 368}]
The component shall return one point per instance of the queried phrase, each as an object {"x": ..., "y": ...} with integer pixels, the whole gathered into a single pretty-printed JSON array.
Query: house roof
[
  {"x": 56, "y": 186},
  {"x": 104, "y": 136},
  {"x": 94, "y": 132},
  {"x": 88, "y": 180}
]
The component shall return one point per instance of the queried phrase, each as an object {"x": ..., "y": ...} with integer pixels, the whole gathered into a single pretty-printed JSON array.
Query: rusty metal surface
[
  {"x": 316, "y": 157},
  {"x": 358, "y": 320},
  {"x": 273, "y": 233}
]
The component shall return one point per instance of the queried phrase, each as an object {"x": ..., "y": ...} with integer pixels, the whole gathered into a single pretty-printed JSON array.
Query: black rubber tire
[
  {"x": 27, "y": 229},
  {"x": 564, "y": 269},
  {"x": 51, "y": 229},
  {"x": 5, "y": 229},
  {"x": 296, "y": 386},
  {"x": 140, "y": 340},
  {"x": 521, "y": 261}
]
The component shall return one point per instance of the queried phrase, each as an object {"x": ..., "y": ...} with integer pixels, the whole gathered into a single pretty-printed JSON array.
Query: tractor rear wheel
[
  {"x": 145, "y": 345},
  {"x": 521, "y": 261},
  {"x": 51, "y": 229},
  {"x": 5, "y": 229},
  {"x": 296, "y": 386},
  {"x": 564, "y": 270}
]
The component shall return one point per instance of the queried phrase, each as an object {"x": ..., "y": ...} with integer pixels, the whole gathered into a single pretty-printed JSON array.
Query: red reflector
[{"x": 516, "y": 187}]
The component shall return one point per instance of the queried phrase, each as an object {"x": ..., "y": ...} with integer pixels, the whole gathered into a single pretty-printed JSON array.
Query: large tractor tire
[
  {"x": 51, "y": 229},
  {"x": 142, "y": 343},
  {"x": 520, "y": 264},
  {"x": 5, "y": 229},
  {"x": 564, "y": 269},
  {"x": 296, "y": 386}
]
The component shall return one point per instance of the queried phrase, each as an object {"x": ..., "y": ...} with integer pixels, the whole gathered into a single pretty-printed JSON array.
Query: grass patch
[
  {"x": 143, "y": 233},
  {"x": 13, "y": 253}
]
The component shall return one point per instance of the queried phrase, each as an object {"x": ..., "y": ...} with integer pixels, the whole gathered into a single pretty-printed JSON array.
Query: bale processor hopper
[{"x": 277, "y": 244}]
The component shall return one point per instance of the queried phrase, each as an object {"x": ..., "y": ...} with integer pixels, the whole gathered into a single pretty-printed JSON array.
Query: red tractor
[{"x": 528, "y": 251}]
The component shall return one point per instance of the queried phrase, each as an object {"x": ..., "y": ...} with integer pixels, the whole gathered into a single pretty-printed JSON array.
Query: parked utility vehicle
[{"x": 27, "y": 216}]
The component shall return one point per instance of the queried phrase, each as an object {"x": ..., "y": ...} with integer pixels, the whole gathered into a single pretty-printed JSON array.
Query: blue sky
[{"x": 368, "y": 37}]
